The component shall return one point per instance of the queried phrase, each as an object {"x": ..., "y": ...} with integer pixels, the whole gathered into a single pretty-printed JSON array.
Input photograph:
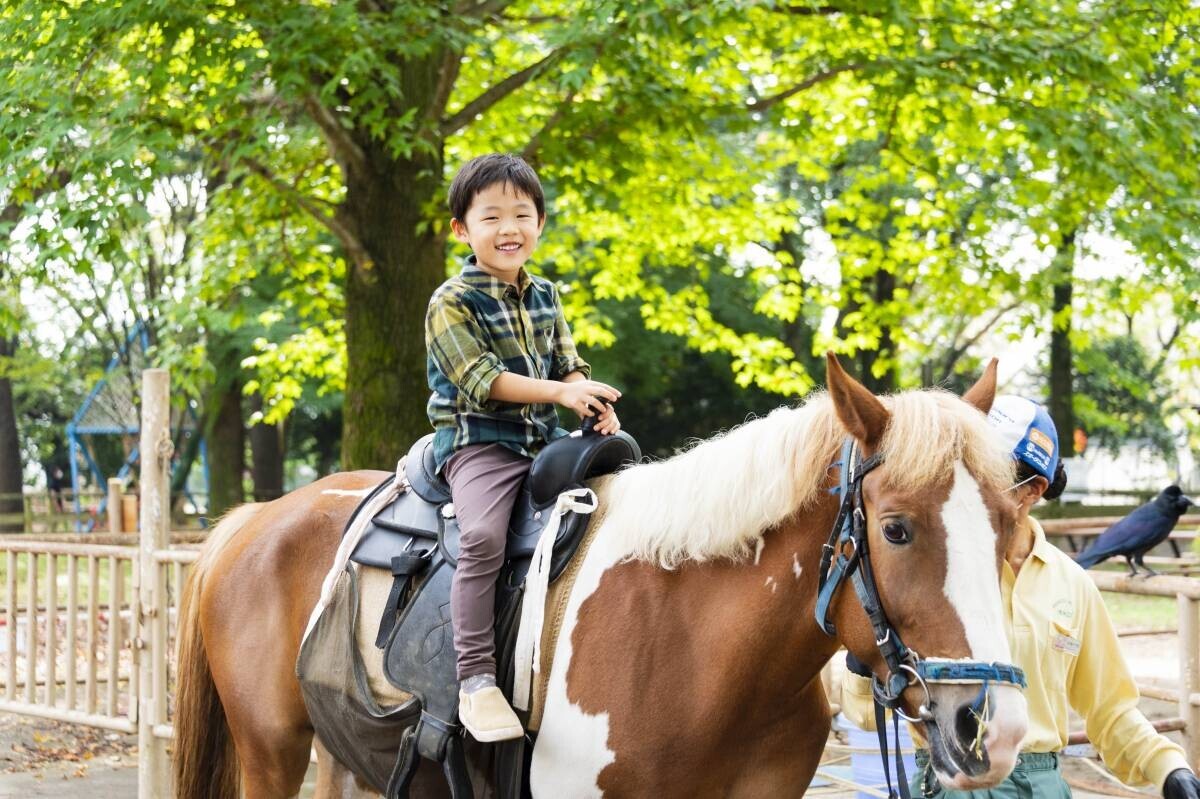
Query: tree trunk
[
  {"x": 386, "y": 298},
  {"x": 1062, "y": 377},
  {"x": 266, "y": 456},
  {"x": 226, "y": 447},
  {"x": 10, "y": 448}
]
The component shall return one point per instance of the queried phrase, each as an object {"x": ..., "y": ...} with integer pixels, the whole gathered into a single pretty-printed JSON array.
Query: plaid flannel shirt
[{"x": 478, "y": 326}]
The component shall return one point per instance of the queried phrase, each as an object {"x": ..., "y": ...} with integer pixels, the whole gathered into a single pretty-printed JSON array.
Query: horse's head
[{"x": 935, "y": 521}]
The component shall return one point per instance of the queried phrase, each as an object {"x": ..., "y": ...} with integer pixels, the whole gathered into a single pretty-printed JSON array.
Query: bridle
[{"x": 905, "y": 666}]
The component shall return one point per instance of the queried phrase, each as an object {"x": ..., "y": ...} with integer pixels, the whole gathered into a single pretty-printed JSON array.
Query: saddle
[{"x": 416, "y": 538}]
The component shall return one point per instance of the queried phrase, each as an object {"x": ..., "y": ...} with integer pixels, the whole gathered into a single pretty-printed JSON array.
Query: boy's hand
[
  {"x": 583, "y": 396},
  {"x": 606, "y": 422}
]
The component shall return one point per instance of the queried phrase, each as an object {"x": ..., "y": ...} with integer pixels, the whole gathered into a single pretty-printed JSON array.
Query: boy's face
[{"x": 502, "y": 228}]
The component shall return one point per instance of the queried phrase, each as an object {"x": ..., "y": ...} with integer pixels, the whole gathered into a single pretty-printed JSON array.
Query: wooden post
[
  {"x": 114, "y": 505},
  {"x": 1189, "y": 676},
  {"x": 150, "y": 653}
]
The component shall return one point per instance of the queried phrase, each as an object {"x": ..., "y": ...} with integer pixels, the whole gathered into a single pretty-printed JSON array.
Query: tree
[{"x": 659, "y": 129}]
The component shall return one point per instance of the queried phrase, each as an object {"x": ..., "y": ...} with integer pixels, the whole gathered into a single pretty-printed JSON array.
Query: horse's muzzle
[{"x": 974, "y": 739}]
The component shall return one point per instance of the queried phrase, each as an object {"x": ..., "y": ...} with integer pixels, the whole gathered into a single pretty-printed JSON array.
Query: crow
[{"x": 1139, "y": 532}]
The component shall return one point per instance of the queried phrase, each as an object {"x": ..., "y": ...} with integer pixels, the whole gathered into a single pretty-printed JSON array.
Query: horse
[{"x": 689, "y": 656}]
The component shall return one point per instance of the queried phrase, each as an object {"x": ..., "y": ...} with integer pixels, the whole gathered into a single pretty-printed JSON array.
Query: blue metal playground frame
[{"x": 76, "y": 430}]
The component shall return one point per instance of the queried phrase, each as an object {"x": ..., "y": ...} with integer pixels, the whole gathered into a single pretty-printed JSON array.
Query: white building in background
[{"x": 1136, "y": 468}]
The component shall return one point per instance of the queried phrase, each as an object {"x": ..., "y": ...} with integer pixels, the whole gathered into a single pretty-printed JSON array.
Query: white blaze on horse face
[
  {"x": 972, "y": 582},
  {"x": 572, "y": 746},
  {"x": 973, "y": 588}
]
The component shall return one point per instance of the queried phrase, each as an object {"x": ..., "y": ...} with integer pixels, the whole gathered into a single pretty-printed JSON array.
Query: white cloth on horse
[
  {"x": 527, "y": 657},
  {"x": 358, "y": 526}
]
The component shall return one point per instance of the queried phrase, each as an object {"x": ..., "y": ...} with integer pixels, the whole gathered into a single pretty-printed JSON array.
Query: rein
[{"x": 905, "y": 666}]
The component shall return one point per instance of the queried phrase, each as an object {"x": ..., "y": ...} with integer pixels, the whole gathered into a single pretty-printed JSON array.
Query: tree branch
[
  {"x": 481, "y": 10},
  {"x": 1161, "y": 360},
  {"x": 807, "y": 83},
  {"x": 955, "y": 353},
  {"x": 346, "y": 152},
  {"x": 817, "y": 11},
  {"x": 447, "y": 76},
  {"x": 354, "y": 246},
  {"x": 499, "y": 91},
  {"x": 530, "y": 151}
]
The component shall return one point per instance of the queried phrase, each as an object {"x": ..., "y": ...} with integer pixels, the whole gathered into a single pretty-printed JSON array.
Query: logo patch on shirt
[
  {"x": 1064, "y": 609},
  {"x": 1065, "y": 643}
]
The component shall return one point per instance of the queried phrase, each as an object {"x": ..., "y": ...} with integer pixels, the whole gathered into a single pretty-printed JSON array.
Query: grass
[{"x": 1133, "y": 610}]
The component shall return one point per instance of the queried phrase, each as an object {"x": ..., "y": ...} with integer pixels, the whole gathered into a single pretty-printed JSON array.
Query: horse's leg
[
  {"x": 253, "y": 668},
  {"x": 255, "y": 604},
  {"x": 335, "y": 781}
]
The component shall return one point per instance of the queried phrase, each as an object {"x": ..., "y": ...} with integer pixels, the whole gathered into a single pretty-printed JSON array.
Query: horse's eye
[{"x": 896, "y": 532}]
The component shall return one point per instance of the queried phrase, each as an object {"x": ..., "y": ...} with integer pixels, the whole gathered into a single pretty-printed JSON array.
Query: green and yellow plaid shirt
[{"x": 478, "y": 326}]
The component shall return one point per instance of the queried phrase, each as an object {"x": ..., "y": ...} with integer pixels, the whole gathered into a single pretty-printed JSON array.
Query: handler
[{"x": 1062, "y": 637}]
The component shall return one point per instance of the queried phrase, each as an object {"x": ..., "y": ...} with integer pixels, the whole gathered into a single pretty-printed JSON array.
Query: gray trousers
[{"x": 484, "y": 480}]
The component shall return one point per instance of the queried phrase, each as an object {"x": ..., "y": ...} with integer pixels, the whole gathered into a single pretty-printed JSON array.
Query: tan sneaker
[{"x": 486, "y": 715}]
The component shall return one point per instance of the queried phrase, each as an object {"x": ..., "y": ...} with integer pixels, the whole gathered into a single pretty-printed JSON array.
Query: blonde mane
[{"x": 717, "y": 499}]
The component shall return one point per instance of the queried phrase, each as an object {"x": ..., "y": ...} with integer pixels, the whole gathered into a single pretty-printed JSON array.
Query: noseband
[{"x": 905, "y": 666}]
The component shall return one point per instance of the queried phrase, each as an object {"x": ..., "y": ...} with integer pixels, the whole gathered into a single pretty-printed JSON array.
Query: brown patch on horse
[
  {"x": 861, "y": 413},
  {"x": 983, "y": 393},
  {"x": 712, "y": 652}
]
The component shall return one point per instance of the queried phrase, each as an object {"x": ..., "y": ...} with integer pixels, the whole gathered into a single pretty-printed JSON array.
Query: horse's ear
[
  {"x": 983, "y": 393},
  {"x": 861, "y": 413}
]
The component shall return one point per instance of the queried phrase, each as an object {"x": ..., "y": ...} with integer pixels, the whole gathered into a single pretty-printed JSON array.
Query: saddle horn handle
[{"x": 588, "y": 425}]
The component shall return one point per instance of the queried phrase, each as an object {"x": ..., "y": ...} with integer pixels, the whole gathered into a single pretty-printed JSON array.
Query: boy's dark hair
[{"x": 488, "y": 170}]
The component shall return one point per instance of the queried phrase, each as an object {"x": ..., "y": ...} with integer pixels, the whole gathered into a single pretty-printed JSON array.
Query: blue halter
[{"x": 905, "y": 667}]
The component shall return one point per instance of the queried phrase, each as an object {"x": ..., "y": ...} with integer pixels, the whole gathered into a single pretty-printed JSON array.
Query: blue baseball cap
[{"x": 1028, "y": 431}]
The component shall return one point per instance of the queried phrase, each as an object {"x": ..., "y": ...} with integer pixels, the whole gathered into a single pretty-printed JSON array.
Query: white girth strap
[
  {"x": 350, "y": 540},
  {"x": 527, "y": 657}
]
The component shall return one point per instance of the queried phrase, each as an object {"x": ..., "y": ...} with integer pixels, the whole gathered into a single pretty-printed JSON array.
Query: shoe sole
[{"x": 502, "y": 734}]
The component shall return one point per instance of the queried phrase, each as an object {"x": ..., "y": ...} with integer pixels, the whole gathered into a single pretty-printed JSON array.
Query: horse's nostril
[{"x": 968, "y": 728}]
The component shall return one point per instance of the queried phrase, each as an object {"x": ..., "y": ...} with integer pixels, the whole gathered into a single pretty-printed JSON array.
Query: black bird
[{"x": 1139, "y": 532}]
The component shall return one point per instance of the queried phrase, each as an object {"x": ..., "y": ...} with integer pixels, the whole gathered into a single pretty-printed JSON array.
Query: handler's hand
[
  {"x": 583, "y": 396},
  {"x": 1181, "y": 784},
  {"x": 606, "y": 422}
]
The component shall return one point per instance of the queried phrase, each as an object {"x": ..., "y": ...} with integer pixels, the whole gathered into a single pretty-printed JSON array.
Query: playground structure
[
  {"x": 111, "y": 409},
  {"x": 90, "y": 639}
]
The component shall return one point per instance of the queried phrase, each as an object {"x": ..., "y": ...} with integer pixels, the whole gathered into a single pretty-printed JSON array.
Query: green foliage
[
  {"x": 759, "y": 181},
  {"x": 1122, "y": 396}
]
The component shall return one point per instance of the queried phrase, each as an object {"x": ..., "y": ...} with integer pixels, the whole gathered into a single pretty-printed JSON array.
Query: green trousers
[{"x": 1036, "y": 776}]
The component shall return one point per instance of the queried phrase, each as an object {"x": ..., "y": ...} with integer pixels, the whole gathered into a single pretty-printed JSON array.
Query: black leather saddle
[
  {"x": 424, "y": 512},
  {"x": 416, "y": 538}
]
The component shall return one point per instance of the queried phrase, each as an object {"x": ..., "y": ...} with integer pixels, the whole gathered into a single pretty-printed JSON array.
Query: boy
[{"x": 500, "y": 357}]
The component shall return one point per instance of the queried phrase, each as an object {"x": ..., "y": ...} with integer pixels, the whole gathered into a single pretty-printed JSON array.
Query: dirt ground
[{"x": 47, "y": 758}]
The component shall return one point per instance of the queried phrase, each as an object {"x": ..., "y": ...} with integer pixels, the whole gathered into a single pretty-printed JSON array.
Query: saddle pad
[
  {"x": 556, "y": 607},
  {"x": 374, "y": 585}
]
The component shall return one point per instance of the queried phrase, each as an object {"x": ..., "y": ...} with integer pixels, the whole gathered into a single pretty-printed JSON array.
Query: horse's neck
[{"x": 744, "y": 631}]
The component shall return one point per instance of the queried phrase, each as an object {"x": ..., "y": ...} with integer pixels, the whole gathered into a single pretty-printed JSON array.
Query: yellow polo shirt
[{"x": 1062, "y": 637}]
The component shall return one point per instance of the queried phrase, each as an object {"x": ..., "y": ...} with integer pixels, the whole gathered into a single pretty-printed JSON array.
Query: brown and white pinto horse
[{"x": 689, "y": 659}]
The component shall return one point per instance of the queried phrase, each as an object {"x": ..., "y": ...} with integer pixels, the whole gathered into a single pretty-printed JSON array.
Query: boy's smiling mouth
[{"x": 508, "y": 247}]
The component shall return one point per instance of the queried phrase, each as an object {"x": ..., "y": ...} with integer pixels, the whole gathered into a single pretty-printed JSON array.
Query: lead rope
[{"x": 881, "y": 730}]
